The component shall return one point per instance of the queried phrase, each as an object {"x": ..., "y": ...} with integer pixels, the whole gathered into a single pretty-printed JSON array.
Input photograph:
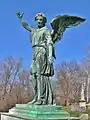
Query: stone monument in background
[
  {"x": 82, "y": 102},
  {"x": 43, "y": 53}
]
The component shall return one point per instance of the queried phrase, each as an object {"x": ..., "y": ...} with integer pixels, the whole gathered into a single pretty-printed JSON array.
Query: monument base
[
  {"x": 82, "y": 103},
  {"x": 38, "y": 112},
  {"x": 82, "y": 106}
]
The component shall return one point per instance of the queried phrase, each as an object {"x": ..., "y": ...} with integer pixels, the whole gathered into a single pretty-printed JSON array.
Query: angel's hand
[
  {"x": 50, "y": 59},
  {"x": 19, "y": 15}
]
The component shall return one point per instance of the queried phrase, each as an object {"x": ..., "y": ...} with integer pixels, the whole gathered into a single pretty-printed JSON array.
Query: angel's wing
[{"x": 60, "y": 23}]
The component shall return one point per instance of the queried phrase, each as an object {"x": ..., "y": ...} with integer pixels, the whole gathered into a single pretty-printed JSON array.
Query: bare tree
[
  {"x": 67, "y": 74},
  {"x": 10, "y": 69},
  {"x": 86, "y": 68},
  {"x": 25, "y": 83}
]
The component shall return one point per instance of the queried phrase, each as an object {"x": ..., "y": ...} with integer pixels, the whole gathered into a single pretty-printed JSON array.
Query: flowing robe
[
  {"x": 41, "y": 68},
  {"x": 40, "y": 39}
]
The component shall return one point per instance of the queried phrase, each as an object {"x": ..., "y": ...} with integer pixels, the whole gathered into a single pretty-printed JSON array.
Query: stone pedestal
[
  {"x": 82, "y": 106},
  {"x": 82, "y": 103},
  {"x": 39, "y": 112}
]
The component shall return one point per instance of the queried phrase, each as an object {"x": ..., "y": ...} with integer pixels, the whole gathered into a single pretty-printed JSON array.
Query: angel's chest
[{"x": 38, "y": 35}]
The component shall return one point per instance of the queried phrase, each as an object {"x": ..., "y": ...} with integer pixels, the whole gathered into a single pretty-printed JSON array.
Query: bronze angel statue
[{"x": 43, "y": 40}]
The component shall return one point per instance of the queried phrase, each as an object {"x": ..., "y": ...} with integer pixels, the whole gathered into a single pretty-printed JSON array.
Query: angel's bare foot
[
  {"x": 38, "y": 102},
  {"x": 32, "y": 102}
]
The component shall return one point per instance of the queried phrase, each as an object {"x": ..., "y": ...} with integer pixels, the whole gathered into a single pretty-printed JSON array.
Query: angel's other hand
[{"x": 50, "y": 60}]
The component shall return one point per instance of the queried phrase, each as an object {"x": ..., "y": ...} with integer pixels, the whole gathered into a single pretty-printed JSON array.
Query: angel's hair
[{"x": 41, "y": 14}]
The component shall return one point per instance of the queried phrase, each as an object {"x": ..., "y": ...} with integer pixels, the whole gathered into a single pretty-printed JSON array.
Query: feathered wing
[{"x": 61, "y": 23}]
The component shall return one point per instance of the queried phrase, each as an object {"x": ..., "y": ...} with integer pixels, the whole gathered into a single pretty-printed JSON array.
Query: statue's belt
[{"x": 39, "y": 46}]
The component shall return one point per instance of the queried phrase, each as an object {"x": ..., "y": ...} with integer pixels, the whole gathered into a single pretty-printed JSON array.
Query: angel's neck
[{"x": 41, "y": 26}]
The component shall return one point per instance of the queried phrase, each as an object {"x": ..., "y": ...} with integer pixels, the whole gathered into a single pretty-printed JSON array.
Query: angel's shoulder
[{"x": 47, "y": 29}]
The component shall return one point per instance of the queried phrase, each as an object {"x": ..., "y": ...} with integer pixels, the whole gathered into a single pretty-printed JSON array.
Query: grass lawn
[{"x": 76, "y": 113}]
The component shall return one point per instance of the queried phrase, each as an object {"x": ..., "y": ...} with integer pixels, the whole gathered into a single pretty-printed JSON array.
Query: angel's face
[{"x": 40, "y": 21}]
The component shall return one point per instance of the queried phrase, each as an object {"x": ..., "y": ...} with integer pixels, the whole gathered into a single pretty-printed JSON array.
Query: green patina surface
[{"x": 39, "y": 111}]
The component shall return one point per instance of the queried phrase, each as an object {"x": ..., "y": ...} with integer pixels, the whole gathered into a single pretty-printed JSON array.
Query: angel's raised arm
[{"x": 24, "y": 24}]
